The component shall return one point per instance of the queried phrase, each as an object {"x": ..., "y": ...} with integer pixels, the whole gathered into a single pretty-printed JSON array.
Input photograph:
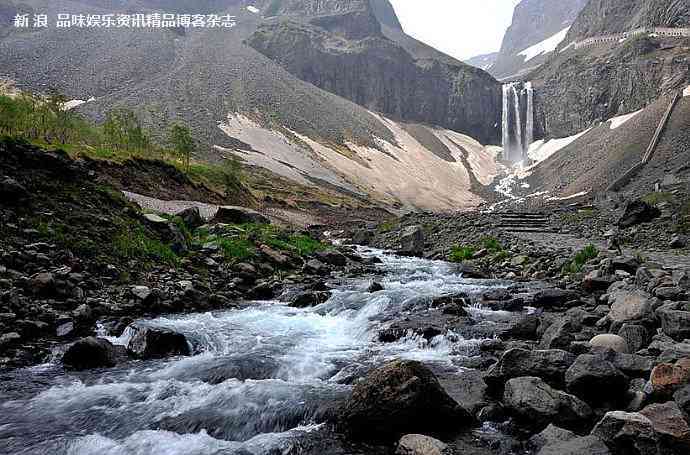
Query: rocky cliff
[{"x": 358, "y": 50}]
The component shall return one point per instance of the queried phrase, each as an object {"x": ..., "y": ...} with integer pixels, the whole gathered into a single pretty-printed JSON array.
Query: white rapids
[{"x": 263, "y": 376}]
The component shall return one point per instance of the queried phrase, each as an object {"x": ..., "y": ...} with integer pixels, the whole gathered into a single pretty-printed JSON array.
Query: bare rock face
[{"x": 398, "y": 398}]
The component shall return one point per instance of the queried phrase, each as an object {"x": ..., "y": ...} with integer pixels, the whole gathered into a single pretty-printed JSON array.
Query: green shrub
[
  {"x": 581, "y": 257},
  {"x": 237, "y": 249},
  {"x": 132, "y": 242},
  {"x": 461, "y": 253},
  {"x": 657, "y": 198},
  {"x": 492, "y": 244},
  {"x": 387, "y": 226}
]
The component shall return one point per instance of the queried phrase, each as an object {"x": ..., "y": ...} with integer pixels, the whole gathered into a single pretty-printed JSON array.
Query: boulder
[
  {"x": 90, "y": 352},
  {"x": 412, "y": 241},
  {"x": 309, "y": 298},
  {"x": 191, "y": 216},
  {"x": 675, "y": 324},
  {"x": 550, "y": 435},
  {"x": 535, "y": 404},
  {"x": 362, "y": 237},
  {"x": 398, "y": 398},
  {"x": 229, "y": 214},
  {"x": 636, "y": 212},
  {"x": 596, "y": 280},
  {"x": 610, "y": 341},
  {"x": 625, "y": 263},
  {"x": 594, "y": 379},
  {"x": 11, "y": 191},
  {"x": 549, "y": 365},
  {"x": 154, "y": 343},
  {"x": 43, "y": 284},
  {"x": 332, "y": 258},
  {"x": 627, "y": 433},
  {"x": 548, "y": 298},
  {"x": 417, "y": 444},
  {"x": 274, "y": 256},
  {"x": 682, "y": 399},
  {"x": 670, "y": 293},
  {"x": 630, "y": 306},
  {"x": 316, "y": 267},
  {"x": 667, "y": 378},
  {"x": 375, "y": 287},
  {"x": 671, "y": 428},
  {"x": 587, "y": 445},
  {"x": 677, "y": 242},
  {"x": 559, "y": 335},
  {"x": 140, "y": 292},
  {"x": 635, "y": 336}
]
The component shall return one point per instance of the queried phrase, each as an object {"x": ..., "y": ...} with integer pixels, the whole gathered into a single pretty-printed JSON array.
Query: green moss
[
  {"x": 387, "y": 226},
  {"x": 492, "y": 244},
  {"x": 461, "y": 253},
  {"x": 133, "y": 243}
]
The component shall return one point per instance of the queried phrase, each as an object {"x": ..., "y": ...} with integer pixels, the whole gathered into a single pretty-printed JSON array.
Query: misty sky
[{"x": 460, "y": 28}]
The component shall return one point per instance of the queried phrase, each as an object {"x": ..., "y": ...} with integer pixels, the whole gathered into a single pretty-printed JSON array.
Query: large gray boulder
[
  {"x": 549, "y": 365},
  {"x": 637, "y": 211},
  {"x": 417, "y": 444},
  {"x": 549, "y": 436},
  {"x": 675, "y": 323},
  {"x": 412, "y": 241},
  {"x": 155, "y": 343},
  {"x": 630, "y": 306},
  {"x": 627, "y": 433},
  {"x": 230, "y": 214},
  {"x": 594, "y": 379},
  {"x": 401, "y": 397},
  {"x": 635, "y": 336},
  {"x": 89, "y": 353},
  {"x": 587, "y": 445},
  {"x": 671, "y": 427},
  {"x": 536, "y": 404},
  {"x": 559, "y": 335}
]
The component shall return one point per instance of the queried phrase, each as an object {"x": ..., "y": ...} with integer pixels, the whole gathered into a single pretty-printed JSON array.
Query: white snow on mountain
[
  {"x": 541, "y": 150},
  {"x": 548, "y": 45},
  {"x": 686, "y": 92},
  {"x": 620, "y": 120},
  {"x": 253, "y": 9}
]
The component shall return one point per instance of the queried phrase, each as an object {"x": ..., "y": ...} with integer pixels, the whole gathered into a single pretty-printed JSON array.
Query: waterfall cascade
[{"x": 517, "y": 121}]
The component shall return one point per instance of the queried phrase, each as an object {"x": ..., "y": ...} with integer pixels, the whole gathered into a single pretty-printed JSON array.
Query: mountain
[
  {"x": 359, "y": 106},
  {"x": 484, "y": 61},
  {"x": 537, "y": 28}
]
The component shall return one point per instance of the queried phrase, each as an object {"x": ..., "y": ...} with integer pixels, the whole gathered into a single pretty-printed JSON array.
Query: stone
[
  {"x": 636, "y": 212},
  {"x": 43, "y": 284},
  {"x": 550, "y": 435},
  {"x": 417, "y": 444},
  {"x": 316, "y": 267},
  {"x": 635, "y": 336},
  {"x": 630, "y": 306},
  {"x": 401, "y": 397},
  {"x": 671, "y": 428},
  {"x": 594, "y": 379},
  {"x": 8, "y": 339},
  {"x": 155, "y": 219},
  {"x": 682, "y": 399},
  {"x": 627, "y": 433},
  {"x": 375, "y": 287},
  {"x": 274, "y": 256},
  {"x": 548, "y": 365},
  {"x": 525, "y": 328},
  {"x": 596, "y": 280},
  {"x": 141, "y": 292},
  {"x": 154, "y": 343},
  {"x": 675, "y": 324},
  {"x": 309, "y": 299},
  {"x": 191, "y": 216},
  {"x": 412, "y": 240},
  {"x": 89, "y": 353},
  {"x": 547, "y": 298},
  {"x": 535, "y": 404},
  {"x": 332, "y": 258},
  {"x": 669, "y": 293},
  {"x": 519, "y": 260},
  {"x": 230, "y": 214},
  {"x": 586, "y": 445},
  {"x": 559, "y": 335},
  {"x": 627, "y": 264},
  {"x": 610, "y": 341},
  {"x": 11, "y": 191},
  {"x": 666, "y": 378},
  {"x": 677, "y": 242}
]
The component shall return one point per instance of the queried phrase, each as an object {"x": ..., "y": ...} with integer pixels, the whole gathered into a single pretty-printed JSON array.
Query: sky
[{"x": 460, "y": 28}]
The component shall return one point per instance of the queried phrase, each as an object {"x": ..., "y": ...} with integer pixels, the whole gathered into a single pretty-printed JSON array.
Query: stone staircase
[{"x": 524, "y": 222}]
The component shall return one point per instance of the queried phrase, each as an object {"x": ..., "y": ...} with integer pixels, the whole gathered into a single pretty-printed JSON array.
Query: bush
[
  {"x": 492, "y": 244},
  {"x": 586, "y": 254},
  {"x": 461, "y": 253},
  {"x": 657, "y": 198},
  {"x": 132, "y": 242}
]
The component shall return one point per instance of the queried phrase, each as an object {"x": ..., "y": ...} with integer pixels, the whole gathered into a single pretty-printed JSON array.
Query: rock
[
  {"x": 154, "y": 219},
  {"x": 550, "y": 435},
  {"x": 191, "y": 217},
  {"x": 675, "y": 324},
  {"x": 11, "y": 191},
  {"x": 229, "y": 214},
  {"x": 309, "y": 299},
  {"x": 417, "y": 444},
  {"x": 140, "y": 292},
  {"x": 90, "y": 352},
  {"x": 627, "y": 433},
  {"x": 559, "y": 335},
  {"x": 467, "y": 388},
  {"x": 548, "y": 298},
  {"x": 9, "y": 339},
  {"x": 625, "y": 263},
  {"x": 375, "y": 287},
  {"x": 635, "y": 336},
  {"x": 669, "y": 293},
  {"x": 43, "y": 284},
  {"x": 398, "y": 398},
  {"x": 412, "y": 241},
  {"x": 630, "y": 306},
  {"x": 682, "y": 399},
  {"x": 587, "y": 445},
  {"x": 332, "y": 258},
  {"x": 636, "y": 212},
  {"x": 362, "y": 237},
  {"x": 548, "y": 365},
  {"x": 519, "y": 260},
  {"x": 596, "y": 281},
  {"x": 471, "y": 271},
  {"x": 677, "y": 242},
  {"x": 609, "y": 341},
  {"x": 671, "y": 428},
  {"x": 154, "y": 343},
  {"x": 316, "y": 267},
  {"x": 595, "y": 379},
  {"x": 262, "y": 291},
  {"x": 524, "y": 328},
  {"x": 630, "y": 364},
  {"x": 666, "y": 378},
  {"x": 535, "y": 404}
]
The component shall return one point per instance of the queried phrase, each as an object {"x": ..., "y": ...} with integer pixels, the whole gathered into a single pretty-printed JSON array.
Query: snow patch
[
  {"x": 540, "y": 150},
  {"x": 572, "y": 196},
  {"x": 69, "y": 105},
  {"x": 620, "y": 120},
  {"x": 253, "y": 9},
  {"x": 548, "y": 45},
  {"x": 686, "y": 92}
]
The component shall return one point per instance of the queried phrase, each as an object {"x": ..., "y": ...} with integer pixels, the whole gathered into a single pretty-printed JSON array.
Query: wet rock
[
  {"x": 229, "y": 214},
  {"x": 548, "y": 298},
  {"x": 589, "y": 445},
  {"x": 535, "y": 404},
  {"x": 636, "y": 212},
  {"x": 671, "y": 428},
  {"x": 375, "y": 287},
  {"x": 90, "y": 352},
  {"x": 677, "y": 242},
  {"x": 316, "y": 267},
  {"x": 674, "y": 323},
  {"x": 398, "y": 398},
  {"x": 627, "y": 433},
  {"x": 635, "y": 336},
  {"x": 9, "y": 339},
  {"x": 549, "y": 365},
  {"x": 595, "y": 379},
  {"x": 191, "y": 217},
  {"x": 417, "y": 444},
  {"x": 471, "y": 271},
  {"x": 332, "y": 258},
  {"x": 608, "y": 341},
  {"x": 412, "y": 241},
  {"x": 426, "y": 325},
  {"x": 309, "y": 299},
  {"x": 667, "y": 378},
  {"x": 262, "y": 291},
  {"x": 242, "y": 368},
  {"x": 154, "y": 343}
]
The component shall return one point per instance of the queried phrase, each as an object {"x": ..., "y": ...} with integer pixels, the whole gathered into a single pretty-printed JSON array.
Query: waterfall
[
  {"x": 517, "y": 136},
  {"x": 529, "y": 123},
  {"x": 518, "y": 125},
  {"x": 505, "y": 123}
]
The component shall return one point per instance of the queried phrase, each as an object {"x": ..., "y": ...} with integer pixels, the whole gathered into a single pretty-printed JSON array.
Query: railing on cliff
[{"x": 620, "y": 37}]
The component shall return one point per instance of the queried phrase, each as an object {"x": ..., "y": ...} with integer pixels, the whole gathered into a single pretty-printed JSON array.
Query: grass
[
  {"x": 133, "y": 243},
  {"x": 387, "y": 226},
  {"x": 492, "y": 244},
  {"x": 581, "y": 257},
  {"x": 580, "y": 215},
  {"x": 461, "y": 253},
  {"x": 657, "y": 198}
]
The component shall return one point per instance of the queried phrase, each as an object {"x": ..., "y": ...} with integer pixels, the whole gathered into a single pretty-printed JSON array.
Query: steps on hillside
[{"x": 524, "y": 222}]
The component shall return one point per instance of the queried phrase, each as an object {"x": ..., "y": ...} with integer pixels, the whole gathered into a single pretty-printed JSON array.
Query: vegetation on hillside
[{"x": 461, "y": 253}]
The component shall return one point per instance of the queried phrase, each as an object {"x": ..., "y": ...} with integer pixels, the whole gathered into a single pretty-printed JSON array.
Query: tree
[
  {"x": 123, "y": 130},
  {"x": 182, "y": 143},
  {"x": 232, "y": 171}
]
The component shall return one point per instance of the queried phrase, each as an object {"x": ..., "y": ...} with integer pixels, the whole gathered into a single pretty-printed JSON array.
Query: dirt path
[{"x": 170, "y": 207}]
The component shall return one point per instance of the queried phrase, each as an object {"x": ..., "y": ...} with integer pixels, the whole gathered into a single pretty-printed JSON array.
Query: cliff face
[
  {"x": 360, "y": 53},
  {"x": 577, "y": 88},
  {"x": 534, "y": 22}
]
